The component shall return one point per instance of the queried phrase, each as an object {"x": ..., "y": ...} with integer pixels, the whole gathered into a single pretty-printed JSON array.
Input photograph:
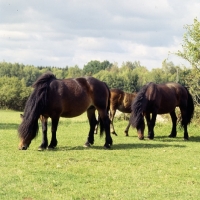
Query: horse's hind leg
[
  {"x": 184, "y": 122},
  {"x": 44, "y": 134},
  {"x": 97, "y": 125},
  {"x": 174, "y": 120},
  {"x": 112, "y": 115},
  {"x": 127, "y": 129},
  {"x": 93, "y": 123},
  {"x": 106, "y": 123},
  {"x": 54, "y": 126}
]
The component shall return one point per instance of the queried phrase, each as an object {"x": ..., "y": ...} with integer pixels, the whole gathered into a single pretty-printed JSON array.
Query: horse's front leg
[
  {"x": 151, "y": 124},
  {"x": 54, "y": 126},
  {"x": 174, "y": 120},
  {"x": 44, "y": 143}
]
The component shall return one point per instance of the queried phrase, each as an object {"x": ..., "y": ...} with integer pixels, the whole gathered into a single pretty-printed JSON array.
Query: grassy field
[{"x": 165, "y": 168}]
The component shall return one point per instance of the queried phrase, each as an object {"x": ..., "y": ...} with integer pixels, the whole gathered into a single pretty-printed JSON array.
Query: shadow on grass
[
  {"x": 194, "y": 139},
  {"x": 9, "y": 126},
  {"x": 177, "y": 139},
  {"x": 120, "y": 146}
]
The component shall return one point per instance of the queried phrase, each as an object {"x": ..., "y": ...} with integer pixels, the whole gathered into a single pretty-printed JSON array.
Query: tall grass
[{"x": 165, "y": 168}]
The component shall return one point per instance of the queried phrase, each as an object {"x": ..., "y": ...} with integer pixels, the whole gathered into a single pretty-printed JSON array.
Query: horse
[
  {"x": 119, "y": 100},
  {"x": 54, "y": 98},
  {"x": 155, "y": 99}
]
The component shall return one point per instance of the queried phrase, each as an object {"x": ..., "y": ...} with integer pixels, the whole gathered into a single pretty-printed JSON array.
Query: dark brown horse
[
  {"x": 161, "y": 99},
  {"x": 56, "y": 98},
  {"x": 120, "y": 100}
]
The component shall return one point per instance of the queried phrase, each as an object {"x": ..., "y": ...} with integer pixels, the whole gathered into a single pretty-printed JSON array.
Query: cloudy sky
[{"x": 73, "y": 32}]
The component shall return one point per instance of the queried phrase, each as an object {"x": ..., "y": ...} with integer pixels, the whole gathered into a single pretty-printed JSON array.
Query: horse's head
[
  {"x": 25, "y": 134},
  {"x": 140, "y": 134},
  {"x": 24, "y": 144},
  {"x": 140, "y": 129}
]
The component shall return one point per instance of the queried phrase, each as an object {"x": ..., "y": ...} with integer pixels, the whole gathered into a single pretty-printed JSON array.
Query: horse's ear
[{"x": 21, "y": 116}]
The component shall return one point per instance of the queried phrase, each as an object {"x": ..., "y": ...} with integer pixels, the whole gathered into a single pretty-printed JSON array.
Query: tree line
[{"x": 16, "y": 79}]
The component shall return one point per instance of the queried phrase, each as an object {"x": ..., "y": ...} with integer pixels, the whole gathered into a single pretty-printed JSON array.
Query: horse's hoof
[
  {"x": 50, "y": 148},
  {"x": 172, "y": 136},
  {"x": 150, "y": 138},
  {"x": 106, "y": 146},
  {"x": 114, "y": 133},
  {"x": 141, "y": 138},
  {"x": 87, "y": 144},
  {"x": 41, "y": 148},
  {"x": 186, "y": 139}
]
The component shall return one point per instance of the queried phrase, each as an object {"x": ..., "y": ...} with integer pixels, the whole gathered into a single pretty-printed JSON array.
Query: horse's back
[
  {"x": 166, "y": 97},
  {"x": 121, "y": 100},
  {"x": 71, "y": 97}
]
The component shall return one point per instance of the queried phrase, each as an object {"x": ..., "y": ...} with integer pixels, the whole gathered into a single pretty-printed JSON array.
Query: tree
[
  {"x": 74, "y": 72},
  {"x": 191, "y": 53},
  {"x": 95, "y": 66},
  {"x": 191, "y": 44},
  {"x": 13, "y": 93}
]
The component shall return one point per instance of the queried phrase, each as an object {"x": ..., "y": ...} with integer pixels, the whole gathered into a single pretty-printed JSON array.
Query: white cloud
[{"x": 60, "y": 33}]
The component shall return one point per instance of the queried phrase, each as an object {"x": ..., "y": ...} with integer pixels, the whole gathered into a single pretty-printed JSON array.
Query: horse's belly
[
  {"x": 74, "y": 110},
  {"x": 165, "y": 110},
  {"x": 124, "y": 109}
]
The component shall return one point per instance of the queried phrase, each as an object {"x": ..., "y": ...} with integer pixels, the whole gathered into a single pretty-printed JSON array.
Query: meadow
[{"x": 165, "y": 168}]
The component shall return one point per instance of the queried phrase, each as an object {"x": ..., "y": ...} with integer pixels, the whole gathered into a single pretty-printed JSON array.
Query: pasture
[{"x": 165, "y": 168}]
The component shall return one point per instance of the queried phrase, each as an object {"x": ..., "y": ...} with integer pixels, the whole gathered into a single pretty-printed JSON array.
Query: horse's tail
[
  {"x": 35, "y": 106},
  {"x": 102, "y": 127},
  {"x": 190, "y": 108},
  {"x": 137, "y": 107}
]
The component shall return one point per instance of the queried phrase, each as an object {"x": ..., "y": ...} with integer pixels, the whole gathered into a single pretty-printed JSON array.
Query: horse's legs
[
  {"x": 93, "y": 123},
  {"x": 106, "y": 123},
  {"x": 151, "y": 124},
  {"x": 127, "y": 129},
  {"x": 44, "y": 132},
  {"x": 174, "y": 120},
  {"x": 97, "y": 125},
  {"x": 54, "y": 126},
  {"x": 148, "y": 119},
  {"x": 184, "y": 122},
  {"x": 112, "y": 115}
]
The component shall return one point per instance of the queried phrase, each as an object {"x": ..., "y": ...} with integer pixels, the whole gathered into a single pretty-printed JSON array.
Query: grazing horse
[
  {"x": 161, "y": 99},
  {"x": 68, "y": 98},
  {"x": 119, "y": 100}
]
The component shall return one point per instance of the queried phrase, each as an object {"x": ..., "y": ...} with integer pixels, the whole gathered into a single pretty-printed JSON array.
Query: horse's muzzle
[
  {"x": 23, "y": 146},
  {"x": 140, "y": 135}
]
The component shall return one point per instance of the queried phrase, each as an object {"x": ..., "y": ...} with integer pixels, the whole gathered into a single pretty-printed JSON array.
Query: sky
[{"x": 73, "y": 32}]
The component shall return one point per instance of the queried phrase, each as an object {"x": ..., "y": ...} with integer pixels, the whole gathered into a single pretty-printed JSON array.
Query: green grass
[{"x": 165, "y": 168}]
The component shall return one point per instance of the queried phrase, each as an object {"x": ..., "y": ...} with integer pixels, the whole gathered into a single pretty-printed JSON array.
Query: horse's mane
[
  {"x": 35, "y": 106},
  {"x": 39, "y": 94},
  {"x": 137, "y": 107}
]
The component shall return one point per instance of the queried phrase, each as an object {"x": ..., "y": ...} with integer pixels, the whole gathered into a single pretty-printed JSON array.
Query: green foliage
[
  {"x": 13, "y": 93},
  {"x": 74, "y": 72},
  {"x": 191, "y": 44},
  {"x": 191, "y": 53},
  {"x": 95, "y": 66},
  {"x": 130, "y": 77}
]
